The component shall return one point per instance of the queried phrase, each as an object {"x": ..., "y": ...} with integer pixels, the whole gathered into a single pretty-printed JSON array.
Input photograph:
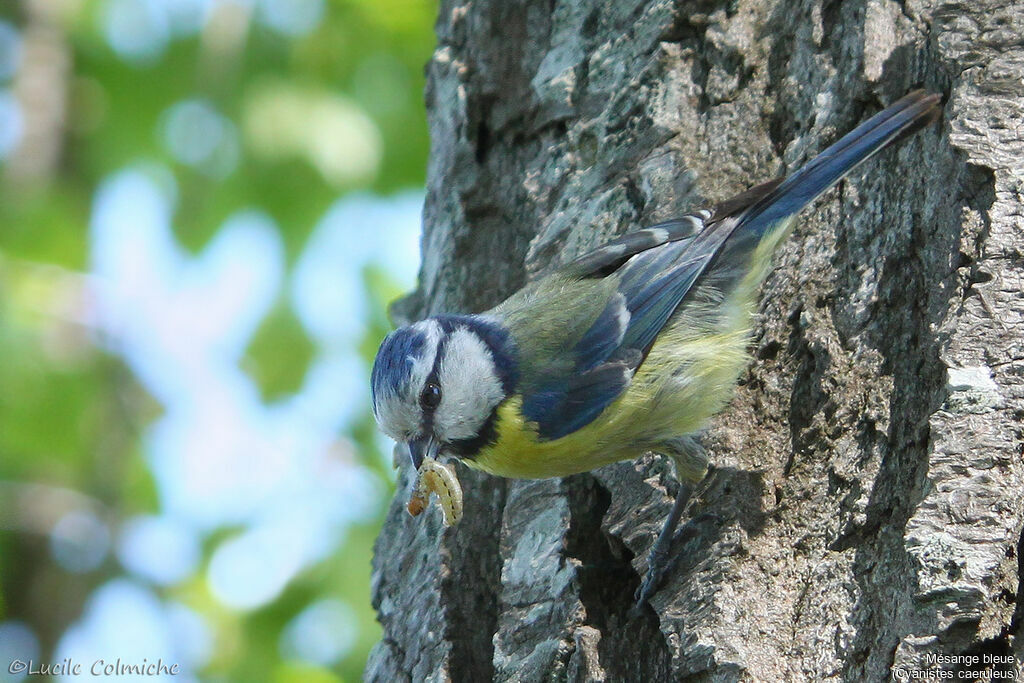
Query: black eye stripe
[{"x": 429, "y": 399}]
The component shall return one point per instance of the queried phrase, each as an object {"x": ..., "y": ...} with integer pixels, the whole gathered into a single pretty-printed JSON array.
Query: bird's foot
[{"x": 661, "y": 560}]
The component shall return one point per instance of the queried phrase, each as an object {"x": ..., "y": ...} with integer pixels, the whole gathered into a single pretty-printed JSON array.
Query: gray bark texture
[{"x": 868, "y": 473}]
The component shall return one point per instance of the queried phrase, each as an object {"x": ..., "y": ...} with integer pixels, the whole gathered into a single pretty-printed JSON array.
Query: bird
[{"x": 628, "y": 349}]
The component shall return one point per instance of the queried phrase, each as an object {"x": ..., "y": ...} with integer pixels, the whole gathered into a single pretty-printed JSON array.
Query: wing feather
[{"x": 609, "y": 257}]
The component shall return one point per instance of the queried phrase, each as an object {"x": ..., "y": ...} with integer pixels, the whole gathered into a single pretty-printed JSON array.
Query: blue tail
[{"x": 825, "y": 170}]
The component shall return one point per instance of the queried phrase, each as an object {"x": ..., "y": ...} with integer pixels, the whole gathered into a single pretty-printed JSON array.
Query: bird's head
[{"x": 437, "y": 384}]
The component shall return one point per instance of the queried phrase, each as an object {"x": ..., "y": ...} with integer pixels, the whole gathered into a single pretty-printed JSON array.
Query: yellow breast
[{"x": 519, "y": 453}]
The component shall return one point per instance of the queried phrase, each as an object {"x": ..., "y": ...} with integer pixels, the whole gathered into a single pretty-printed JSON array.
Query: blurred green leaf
[
  {"x": 297, "y": 672},
  {"x": 279, "y": 354}
]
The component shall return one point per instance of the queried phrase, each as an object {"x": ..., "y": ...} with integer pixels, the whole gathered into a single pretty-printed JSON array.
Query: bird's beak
[{"x": 423, "y": 447}]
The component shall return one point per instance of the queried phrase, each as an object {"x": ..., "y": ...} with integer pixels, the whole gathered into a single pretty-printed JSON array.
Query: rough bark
[{"x": 869, "y": 471}]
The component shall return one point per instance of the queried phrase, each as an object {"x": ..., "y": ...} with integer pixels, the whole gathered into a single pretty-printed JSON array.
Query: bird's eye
[{"x": 431, "y": 396}]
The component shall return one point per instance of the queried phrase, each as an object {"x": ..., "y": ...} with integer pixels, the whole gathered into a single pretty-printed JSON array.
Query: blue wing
[
  {"x": 656, "y": 268},
  {"x": 652, "y": 281}
]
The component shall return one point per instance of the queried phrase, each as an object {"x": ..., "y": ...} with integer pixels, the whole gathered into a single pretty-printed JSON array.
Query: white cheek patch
[
  {"x": 399, "y": 414},
  {"x": 470, "y": 384}
]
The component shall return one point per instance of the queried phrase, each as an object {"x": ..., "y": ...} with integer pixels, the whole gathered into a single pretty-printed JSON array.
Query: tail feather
[{"x": 825, "y": 170}]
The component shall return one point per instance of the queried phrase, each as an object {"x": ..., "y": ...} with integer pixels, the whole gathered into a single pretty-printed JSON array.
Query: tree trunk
[{"x": 868, "y": 473}]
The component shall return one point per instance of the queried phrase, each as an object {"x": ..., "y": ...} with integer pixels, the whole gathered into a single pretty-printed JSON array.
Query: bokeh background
[{"x": 204, "y": 207}]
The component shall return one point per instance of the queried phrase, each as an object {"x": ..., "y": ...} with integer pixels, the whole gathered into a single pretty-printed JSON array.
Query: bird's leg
[
  {"x": 657, "y": 560},
  {"x": 691, "y": 465}
]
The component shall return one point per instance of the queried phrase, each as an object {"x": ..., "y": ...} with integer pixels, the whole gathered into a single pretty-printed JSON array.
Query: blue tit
[{"x": 627, "y": 349}]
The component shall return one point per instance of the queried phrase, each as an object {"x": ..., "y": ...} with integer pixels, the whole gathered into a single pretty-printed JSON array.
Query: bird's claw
[
  {"x": 656, "y": 569},
  {"x": 660, "y": 560}
]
